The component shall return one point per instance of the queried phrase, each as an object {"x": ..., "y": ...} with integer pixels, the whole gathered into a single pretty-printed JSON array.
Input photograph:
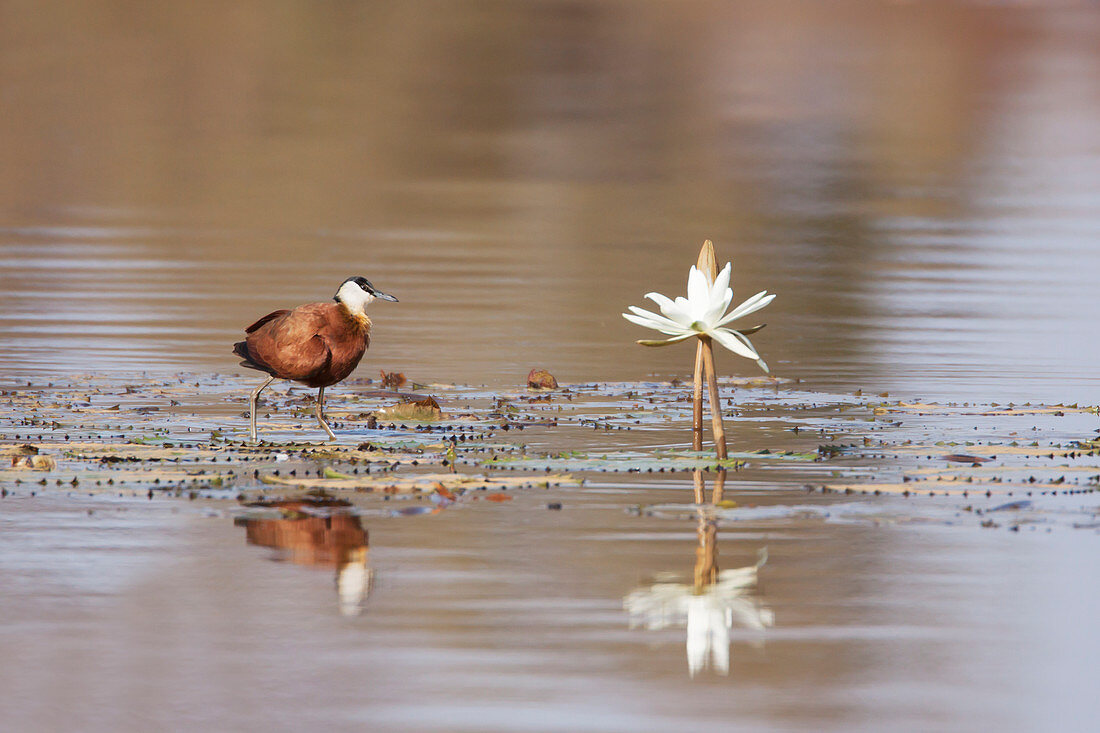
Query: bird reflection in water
[
  {"x": 316, "y": 532},
  {"x": 711, "y": 604}
]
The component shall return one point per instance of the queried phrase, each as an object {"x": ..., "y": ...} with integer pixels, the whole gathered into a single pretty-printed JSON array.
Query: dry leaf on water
[
  {"x": 541, "y": 379},
  {"x": 393, "y": 380},
  {"x": 26, "y": 449},
  {"x": 35, "y": 463},
  {"x": 425, "y": 410}
]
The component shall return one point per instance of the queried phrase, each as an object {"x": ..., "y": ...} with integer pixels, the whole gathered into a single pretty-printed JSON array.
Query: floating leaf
[{"x": 425, "y": 410}]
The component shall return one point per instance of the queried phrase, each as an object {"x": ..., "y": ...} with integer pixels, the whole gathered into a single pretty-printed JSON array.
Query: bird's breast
[{"x": 348, "y": 337}]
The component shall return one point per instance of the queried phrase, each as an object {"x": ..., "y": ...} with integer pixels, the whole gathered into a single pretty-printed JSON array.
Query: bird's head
[{"x": 357, "y": 293}]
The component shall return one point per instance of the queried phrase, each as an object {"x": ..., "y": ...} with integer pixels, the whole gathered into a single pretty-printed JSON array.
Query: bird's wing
[
  {"x": 292, "y": 344},
  {"x": 269, "y": 317},
  {"x": 308, "y": 359}
]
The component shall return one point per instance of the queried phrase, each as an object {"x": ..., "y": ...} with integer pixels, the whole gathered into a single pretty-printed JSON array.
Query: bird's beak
[{"x": 384, "y": 296}]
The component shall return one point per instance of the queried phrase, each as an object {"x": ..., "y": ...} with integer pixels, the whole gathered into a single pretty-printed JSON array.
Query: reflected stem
[
  {"x": 706, "y": 553},
  {"x": 719, "y": 486},
  {"x": 699, "y": 485}
]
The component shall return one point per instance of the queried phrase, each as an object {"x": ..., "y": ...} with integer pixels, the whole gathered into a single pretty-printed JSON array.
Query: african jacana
[{"x": 317, "y": 344}]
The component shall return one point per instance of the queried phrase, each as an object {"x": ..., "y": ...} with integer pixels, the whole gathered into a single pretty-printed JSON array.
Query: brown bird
[{"x": 317, "y": 344}]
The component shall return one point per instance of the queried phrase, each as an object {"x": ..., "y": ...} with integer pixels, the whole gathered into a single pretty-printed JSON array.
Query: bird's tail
[{"x": 241, "y": 349}]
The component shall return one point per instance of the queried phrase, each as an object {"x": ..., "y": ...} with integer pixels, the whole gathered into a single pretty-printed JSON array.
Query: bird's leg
[
  {"x": 321, "y": 416},
  {"x": 252, "y": 409}
]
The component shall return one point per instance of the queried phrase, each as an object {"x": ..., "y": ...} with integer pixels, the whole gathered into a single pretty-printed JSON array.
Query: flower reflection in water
[
  {"x": 317, "y": 532},
  {"x": 709, "y": 606}
]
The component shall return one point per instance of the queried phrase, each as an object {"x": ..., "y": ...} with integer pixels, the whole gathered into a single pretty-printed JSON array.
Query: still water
[{"x": 920, "y": 184}]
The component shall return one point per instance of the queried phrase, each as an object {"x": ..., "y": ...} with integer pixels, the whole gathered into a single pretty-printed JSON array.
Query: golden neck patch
[{"x": 360, "y": 319}]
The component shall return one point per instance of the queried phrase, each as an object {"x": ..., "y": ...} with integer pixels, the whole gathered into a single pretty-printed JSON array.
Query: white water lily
[
  {"x": 703, "y": 313},
  {"x": 707, "y": 613}
]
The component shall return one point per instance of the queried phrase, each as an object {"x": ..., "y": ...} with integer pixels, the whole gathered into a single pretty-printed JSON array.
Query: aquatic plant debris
[
  {"x": 541, "y": 379},
  {"x": 910, "y": 459},
  {"x": 441, "y": 483},
  {"x": 415, "y": 410},
  {"x": 393, "y": 380}
]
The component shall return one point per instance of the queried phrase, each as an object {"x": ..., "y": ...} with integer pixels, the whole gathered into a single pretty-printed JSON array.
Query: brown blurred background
[{"x": 920, "y": 183}]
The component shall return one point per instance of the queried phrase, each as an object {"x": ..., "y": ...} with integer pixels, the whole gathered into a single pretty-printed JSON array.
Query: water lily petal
[
  {"x": 698, "y": 286},
  {"x": 666, "y": 342},
  {"x": 744, "y": 339},
  {"x": 726, "y": 337},
  {"x": 751, "y": 305},
  {"x": 680, "y": 311},
  {"x": 716, "y": 309},
  {"x": 654, "y": 321},
  {"x": 759, "y": 362},
  {"x": 720, "y": 294},
  {"x": 660, "y": 300},
  {"x": 722, "y": 282},
  {"x": 671, "y": 309},
  {"x": 744, "y": 307},
  {"x": 643, "y": 319}
]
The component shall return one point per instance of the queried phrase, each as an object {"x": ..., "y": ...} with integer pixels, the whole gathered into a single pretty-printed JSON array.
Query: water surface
[
  {"x": 921, "y": 185},
  {"x": 919, "y": 182}
]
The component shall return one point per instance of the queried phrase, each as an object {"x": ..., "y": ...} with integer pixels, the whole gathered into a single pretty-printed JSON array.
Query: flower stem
[
  {"x": 704, "y": 363},
  {"x": 716, "y": 425},
  {"x": 697, "y": 401}
]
